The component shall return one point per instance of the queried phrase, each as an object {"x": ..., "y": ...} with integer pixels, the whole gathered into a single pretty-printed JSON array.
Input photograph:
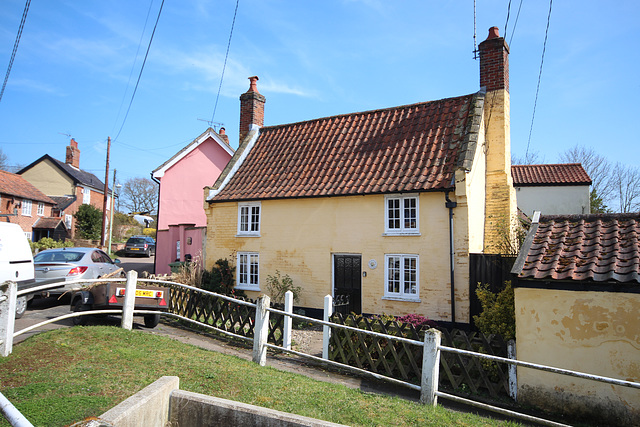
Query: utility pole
[
  {"x": 106, "y": 197},
  {"x": 113, "y": 208}
]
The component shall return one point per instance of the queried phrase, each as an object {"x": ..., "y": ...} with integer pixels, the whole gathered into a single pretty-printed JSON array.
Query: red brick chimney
[
  {"x": 223, "y": 135},
  {"x": 251, "y": 108},
  {"x": 73, "y": 154},
  {"x": 494, "y": 62}
]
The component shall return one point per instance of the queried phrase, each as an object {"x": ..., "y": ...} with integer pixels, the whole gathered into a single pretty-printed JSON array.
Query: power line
[
  {"x": 134, "y": 62},
  {"x": 507, "y": 21},
  {"x": 141, "y": 69},
  {"x": 233, "y": 23},
  {"x": 514, "y": 24},
  {"x": 544, "y": 48},
  {"x": 15, "y": 46}
]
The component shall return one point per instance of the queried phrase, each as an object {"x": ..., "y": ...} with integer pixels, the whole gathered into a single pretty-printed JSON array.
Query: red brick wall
[
  {"x": 25, "y": 222},
  {"x": 494, "y": 64}
]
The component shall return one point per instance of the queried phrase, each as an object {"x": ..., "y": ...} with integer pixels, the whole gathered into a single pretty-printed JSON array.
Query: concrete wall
[
  {"x": 556, "y": 200},
  {"x": 592, "y": 332},
  {"x": 299, "y": 236}
]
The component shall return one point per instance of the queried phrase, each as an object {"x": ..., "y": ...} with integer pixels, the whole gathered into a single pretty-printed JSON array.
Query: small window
[
  {"x": 28, "y": 235},
  {"x": 401, "y": 276},
  {"x": 26, "y": 207},
  {"x": 401, "y": 215},
  {"x": 40, "y": 208},
  {"x": 68, "y": 221},
  {"x": 86, "y": 196},
  {"x": 248, "y": 271},
  {"x": 249, "y": 219}
]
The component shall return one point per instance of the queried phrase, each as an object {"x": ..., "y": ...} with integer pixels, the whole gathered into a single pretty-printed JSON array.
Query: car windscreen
[
  {"x": 136, "y": 241},
  {"x": 65, "y": 256}
]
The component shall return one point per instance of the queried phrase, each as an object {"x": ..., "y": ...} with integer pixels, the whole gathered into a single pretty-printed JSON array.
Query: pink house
[{"x": 181, "y": 218}]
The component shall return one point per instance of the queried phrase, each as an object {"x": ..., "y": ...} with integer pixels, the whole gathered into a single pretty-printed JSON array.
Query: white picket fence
[{"x": 432, "y": 347}]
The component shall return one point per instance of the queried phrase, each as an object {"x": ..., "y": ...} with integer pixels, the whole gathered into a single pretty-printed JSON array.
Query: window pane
[
  {"x": 242, "y": 269},
  {"x": 255, "y": 218},
  {"x": 410, "y": 275},
  {"x": 393, "y": 273},
  {"x": 410, "y": 214},
  {"x": 244, "y": 218},
  {"x": 393, "y": 212}
]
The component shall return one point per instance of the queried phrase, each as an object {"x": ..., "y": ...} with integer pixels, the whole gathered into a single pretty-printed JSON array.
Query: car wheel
[
  {"x": 151, "y": 320},
  {"x": 78, "y": 306},
  {"x": 21, "y": 306},
  {"x": 148, "y": 253}
]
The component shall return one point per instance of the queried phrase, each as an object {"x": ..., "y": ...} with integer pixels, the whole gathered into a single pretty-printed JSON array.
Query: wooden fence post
[
  {"x": 513, "y": 370},
  {"x": 129, "y": 300},
  {"x": 326, "y": 330},
  {"x": 8, "y": 295},
  {"x": 286, "y": 333},
  {"x": 430, "y": 367},
  {"x": 261, "y": 330}
]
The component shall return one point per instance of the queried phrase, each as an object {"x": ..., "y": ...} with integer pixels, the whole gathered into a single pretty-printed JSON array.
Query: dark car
[{"x": 140, "y": 245}]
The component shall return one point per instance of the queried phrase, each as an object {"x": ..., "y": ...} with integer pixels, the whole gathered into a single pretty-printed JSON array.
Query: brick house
[
  {"x": 23, "y": 204},
  {"x": 66, "y": 183}
]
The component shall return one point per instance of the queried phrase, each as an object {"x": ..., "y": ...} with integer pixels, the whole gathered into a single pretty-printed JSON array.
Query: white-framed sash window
[
  {"x": 26, "y": 207},
  {"x": 40, "y": 209},
  {"x": 402, "y": 276},
  {"x": 249, "y": 219},
  {"x": 248, "y": 271},
  {"x": 401, "y": 213}
]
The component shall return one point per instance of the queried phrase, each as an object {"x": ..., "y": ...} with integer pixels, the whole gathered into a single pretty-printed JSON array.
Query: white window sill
[
  {"x": 401, "y": 233},
  {"x": 247, "y": 288},
  {"x": 403, "y": 299},
  {"x": 248, "y": 235}
]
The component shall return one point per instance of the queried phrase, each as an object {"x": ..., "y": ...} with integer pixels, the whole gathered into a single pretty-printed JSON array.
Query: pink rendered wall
[{"x": 181, "y": 196}]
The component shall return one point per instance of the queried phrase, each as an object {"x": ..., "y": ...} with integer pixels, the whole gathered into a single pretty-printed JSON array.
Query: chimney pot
[
  {"x": 222, "y": 131},
  {"x": 493, "y": 33},
  {"x": 253, "y": 86}
]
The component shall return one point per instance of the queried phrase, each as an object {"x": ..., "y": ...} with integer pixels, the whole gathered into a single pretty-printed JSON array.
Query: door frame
[{"x": 333, "y": 273}]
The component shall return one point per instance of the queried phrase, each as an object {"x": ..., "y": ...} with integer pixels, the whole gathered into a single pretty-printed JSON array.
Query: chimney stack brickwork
[
  {"x": 73, "y": 154},
  {"x": 494, "y": 62},
  {"x": 251, "y": 108},
  {"x": 500, "y": 202}
]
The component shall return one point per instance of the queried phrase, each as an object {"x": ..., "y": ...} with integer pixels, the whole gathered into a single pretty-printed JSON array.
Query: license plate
[
  {"x": 142, "y": 293},
  {"x": 135, "y": 249}
]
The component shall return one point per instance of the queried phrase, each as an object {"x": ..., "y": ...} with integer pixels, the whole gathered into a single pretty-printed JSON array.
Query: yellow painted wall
[
  {"x": 299, "y": 236},
  {"x": 501, "y": 207},
  {"x": 591, "y": 332},
  {"x": 47, "y": 178}
]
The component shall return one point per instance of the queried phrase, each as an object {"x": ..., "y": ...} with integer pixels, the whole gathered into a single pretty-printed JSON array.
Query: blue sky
[{"x": 78, "y": 61}]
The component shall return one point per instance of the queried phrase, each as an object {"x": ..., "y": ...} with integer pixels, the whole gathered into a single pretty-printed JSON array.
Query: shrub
[
  {"x": 49, "y": 243},
  {"x": 498, "y": 311},
  {"x": 278, "y": 286},
  {"x": 88, "y": 222},
  {"x": 418, "y": 321},
  {"x": 221, "y": 279},
  {"x": 151, "y": 232}
]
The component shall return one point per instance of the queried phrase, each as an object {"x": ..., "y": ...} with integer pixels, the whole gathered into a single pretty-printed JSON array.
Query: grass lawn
[{"x": 60, "y": 377}]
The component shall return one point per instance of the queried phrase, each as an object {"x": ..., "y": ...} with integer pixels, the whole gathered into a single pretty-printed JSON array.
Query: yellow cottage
[{"x": 381, "y": 207}]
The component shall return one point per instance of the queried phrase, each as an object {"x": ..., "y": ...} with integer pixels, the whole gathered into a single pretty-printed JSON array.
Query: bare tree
[
  {"x": 625, "y": 182},
  {"x": 531, "y": 158},
  {"x": 4, "y": 163},
  {"x": 139, "y": 195},
  {"x": 598, "y": 168}
]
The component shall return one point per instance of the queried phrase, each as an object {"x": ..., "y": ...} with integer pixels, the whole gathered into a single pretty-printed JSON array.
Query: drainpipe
[{"x": 450, "y": 205}]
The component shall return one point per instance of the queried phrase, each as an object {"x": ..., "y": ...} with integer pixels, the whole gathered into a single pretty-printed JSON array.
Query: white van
[{"x": 16, "y": 262}]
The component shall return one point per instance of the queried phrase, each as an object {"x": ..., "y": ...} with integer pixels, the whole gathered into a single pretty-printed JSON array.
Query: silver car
[{"x": 72, "y": 264}]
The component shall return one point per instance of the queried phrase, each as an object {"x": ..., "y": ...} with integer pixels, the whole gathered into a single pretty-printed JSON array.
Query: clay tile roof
[
  {"x": 408, "y": 148},
  {"x": 48, "y": 223},
  {"x": 541, "y": 175},
  {"x": 15, "y": 185},
  {"x": 596, "y": 248}
]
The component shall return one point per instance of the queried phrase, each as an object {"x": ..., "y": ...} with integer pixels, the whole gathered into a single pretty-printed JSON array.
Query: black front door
[{"x": 347, "y": 283}]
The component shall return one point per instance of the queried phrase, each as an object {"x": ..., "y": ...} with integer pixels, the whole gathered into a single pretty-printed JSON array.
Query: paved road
[{"x": 42, "y": 309}]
